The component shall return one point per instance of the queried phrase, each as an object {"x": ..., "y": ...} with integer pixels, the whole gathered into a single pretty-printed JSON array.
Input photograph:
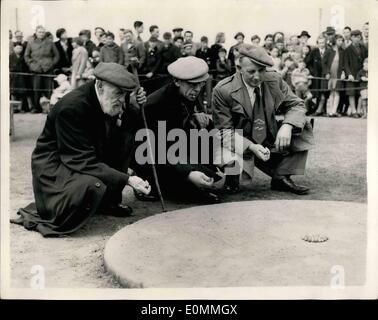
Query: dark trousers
[
  {"x": 42, "y": 86},
  {"x": 291, "y": 163}
]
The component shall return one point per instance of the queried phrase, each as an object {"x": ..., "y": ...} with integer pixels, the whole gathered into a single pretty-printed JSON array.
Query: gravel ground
[{"x": 336, "y": 171}]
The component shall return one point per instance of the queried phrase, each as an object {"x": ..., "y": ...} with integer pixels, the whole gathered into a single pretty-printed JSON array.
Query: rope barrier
[{"x": 161, "y": 76}]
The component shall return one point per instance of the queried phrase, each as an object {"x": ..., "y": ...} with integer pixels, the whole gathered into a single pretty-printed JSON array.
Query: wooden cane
[{"x": 150, "y": 148}]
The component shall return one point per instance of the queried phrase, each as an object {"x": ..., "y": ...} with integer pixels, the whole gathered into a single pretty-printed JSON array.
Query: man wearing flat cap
[
  {"x": 80, "y": 162},
  {"x": 245, "y": 106},
  {"x": 177, "y": 106}
]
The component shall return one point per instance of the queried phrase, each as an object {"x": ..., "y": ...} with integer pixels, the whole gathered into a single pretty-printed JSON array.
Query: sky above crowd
[{"x": 200, "y": 16}]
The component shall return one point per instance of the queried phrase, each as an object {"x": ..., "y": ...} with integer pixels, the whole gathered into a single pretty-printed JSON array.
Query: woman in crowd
[
  {"x": 41, "y": 55},
  {"x": 79, "y": 62},
  {"x": 333, "y": 69},
  {"x": 220, "y": 39}
]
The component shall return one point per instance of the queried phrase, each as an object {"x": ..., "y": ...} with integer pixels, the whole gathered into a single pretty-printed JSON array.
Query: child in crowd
[
  {"x": 79, "y": 62},
  {"x": 280, "y": 45},
  {"x": 274, "y": 53},
  {"x": 223, "y": 65},
  {"x": 301, "y": 83},
  {"x": 63, "y": 88},
  {"x": 362, "y": 76},
  {"x": 300, "y": 79},
  {"x": 301, "y": 70},
  {"x": 111, "y": 52},
  {"x": 287, "y": 69},
  {"x": 18, "y": 83}
]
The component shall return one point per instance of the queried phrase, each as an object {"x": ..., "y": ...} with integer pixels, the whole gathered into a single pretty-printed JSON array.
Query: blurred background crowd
[{"x": 330, "y": 76}]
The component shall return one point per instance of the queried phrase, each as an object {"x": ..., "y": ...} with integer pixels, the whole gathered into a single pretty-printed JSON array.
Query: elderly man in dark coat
[
  {"x": 80, "y": 161},
  {"x": 248, "y": 101},
  {"x": 177, "y": 106}
]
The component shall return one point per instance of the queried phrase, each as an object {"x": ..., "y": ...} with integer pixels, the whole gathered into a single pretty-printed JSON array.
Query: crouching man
[
  {"x": 248, "y": 101},
  {"x": 80, "y": 161},
  {"x": 178, "y": 108}
]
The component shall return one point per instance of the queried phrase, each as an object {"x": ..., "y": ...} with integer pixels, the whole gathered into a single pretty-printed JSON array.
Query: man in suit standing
[
  {"x": 248, "y": 101},
  {"x": 80, "y": 162},
  {"x": 354, "y": 57},
  {"x": 314, "y": 62}
]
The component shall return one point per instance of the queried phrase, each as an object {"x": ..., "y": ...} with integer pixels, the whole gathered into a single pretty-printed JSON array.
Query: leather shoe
[
  {"x": 231, "y": 184},
  {"x": 35, "y": 111},
  {"x": 119, "y": 210},
  {"x": 286, "y": 184},
  {"x": 145, "y": 197}
]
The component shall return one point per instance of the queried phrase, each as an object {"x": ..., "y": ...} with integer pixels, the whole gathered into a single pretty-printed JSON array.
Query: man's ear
[
  {"x": 176, "y": 82},
  {"x": 100, "y": 86}
]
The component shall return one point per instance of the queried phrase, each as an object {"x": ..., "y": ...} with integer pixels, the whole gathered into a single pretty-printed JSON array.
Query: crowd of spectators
[{"x": 331, "y": 76}]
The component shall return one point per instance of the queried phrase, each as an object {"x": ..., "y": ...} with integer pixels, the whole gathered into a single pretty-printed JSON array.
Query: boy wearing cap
[
  {"x": 354, "y": 57},
  {"x": 177, "y": 106},
  {"x": 80, "y": 162},
  {"x": 248, "y": 101}
]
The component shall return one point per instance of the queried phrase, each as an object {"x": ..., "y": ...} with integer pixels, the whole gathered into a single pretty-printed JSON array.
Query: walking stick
[{"x": 150, "y": 149}]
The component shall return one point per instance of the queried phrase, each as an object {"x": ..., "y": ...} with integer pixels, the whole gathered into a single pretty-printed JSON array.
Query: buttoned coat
[
  {"x": 75, "y": 161},
  {"x": 233, "y": 110}
]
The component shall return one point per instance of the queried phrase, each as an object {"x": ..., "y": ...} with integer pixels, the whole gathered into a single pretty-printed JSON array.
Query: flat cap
[
  {"x": 116, "y": 75},
  {"x": 257, "y": 54},
  {"x": 356, "y": 33},
  {"x": 191, "y": 69},
  {"x": 177, "y": 29}
]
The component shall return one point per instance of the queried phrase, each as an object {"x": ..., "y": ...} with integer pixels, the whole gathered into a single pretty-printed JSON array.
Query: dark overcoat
[
  {"x": 80, "y": 155},
  {"x": 166, "y": 105},
  {"x": 354, "y": 59},
  {"x": 329, "y": 55}
]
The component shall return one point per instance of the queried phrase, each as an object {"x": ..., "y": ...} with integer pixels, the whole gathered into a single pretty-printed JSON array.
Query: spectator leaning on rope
[{"x": 41, "y": 56}]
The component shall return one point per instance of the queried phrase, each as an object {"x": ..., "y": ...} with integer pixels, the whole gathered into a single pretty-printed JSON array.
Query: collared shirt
[{"x": 251, "y": 92}]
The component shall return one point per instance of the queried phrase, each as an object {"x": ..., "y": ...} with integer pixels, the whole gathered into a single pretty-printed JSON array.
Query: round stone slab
[{"x": 243, "y": 244}]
